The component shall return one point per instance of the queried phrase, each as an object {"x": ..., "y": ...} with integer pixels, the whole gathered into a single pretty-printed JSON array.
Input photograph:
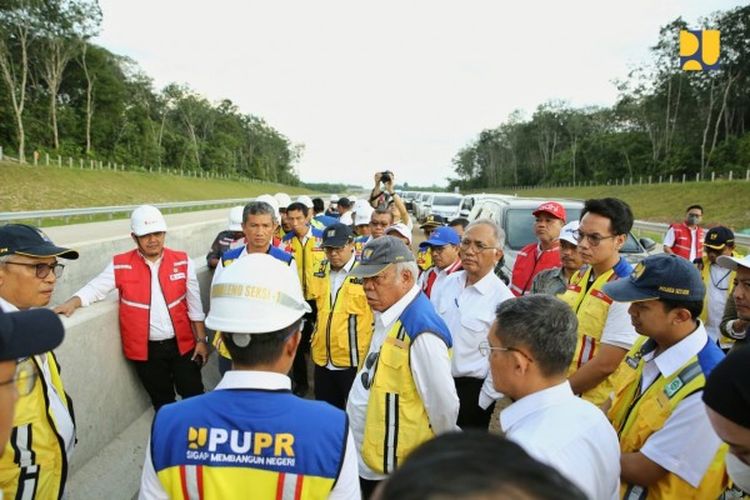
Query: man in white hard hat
[
  {"x": 161, "y": 315},
  {"x": 227, "y": 239},
  {"x": 283, "y": 200},
  {"x": 307, "y": 202},
  {"x": 251, "y": 437},
  {"x": 332, "y": 210},
  {"x": 258, "y": 223}
]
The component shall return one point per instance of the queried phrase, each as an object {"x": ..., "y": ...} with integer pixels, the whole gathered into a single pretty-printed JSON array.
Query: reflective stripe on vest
[
  {"x": 683, "y": 241},
  {"x": 192, "y": 478}
]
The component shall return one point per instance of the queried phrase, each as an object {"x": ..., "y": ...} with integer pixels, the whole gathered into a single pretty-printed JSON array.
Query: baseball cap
[
  {"x": 729, "y": 262},
  {"x": 337, "y": 235},
  {"x": 362, "y": 215},
  {"x": 717, "y": 238},
  {"x": 23, "y": 239},
  {"x": 433, "y": 220},
  {"x": 551, "y": 207},
  {"x": 659, "y": 277},
  {"x": 401, "y": 229},
  {"x": 440, "y": 237},
  {"x": 26, "y": 333},
  {"x": 380, "y": 253},
  {"x": 568, "y": 232},
  {"x": 344, "y": 202}
]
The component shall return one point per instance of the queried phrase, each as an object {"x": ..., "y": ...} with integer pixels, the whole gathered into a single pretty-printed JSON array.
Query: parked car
[
  {"x": 514, "y": 216},
  {"x": 419, "y": 205},
  {"x": 467, "y": 204},
  {"x": 446, "y": 205}
]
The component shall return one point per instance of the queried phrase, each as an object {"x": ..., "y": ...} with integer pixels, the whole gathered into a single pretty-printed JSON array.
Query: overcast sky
[{"x": 401, "y": 84}]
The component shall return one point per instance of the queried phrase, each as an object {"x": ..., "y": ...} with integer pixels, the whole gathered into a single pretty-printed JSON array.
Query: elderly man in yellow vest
[
  {"x": 669, "y": 449},
  {"x": 604, "y": 331},
  {"x": 35, "y": 463},
  {"x": 344, "y": 325},
  {"x": 403, "y": 393}
]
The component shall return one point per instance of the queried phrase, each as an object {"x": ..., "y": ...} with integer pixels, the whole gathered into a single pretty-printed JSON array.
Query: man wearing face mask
[
  {"x": 686, "y": 239},
  {"x": 727, "y": 398}
]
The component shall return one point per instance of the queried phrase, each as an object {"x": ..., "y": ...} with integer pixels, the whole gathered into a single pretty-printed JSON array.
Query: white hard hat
[
  {"x": 334, "y": 198},
  {"x": 267, "y": 198},
  {"x": 568, "y": 231},
  {"x": 283, "y": 200},
  {"x": 147, "y": 219},
  {"x": 305, "y": 200},
  {"x": 256, "y": 294},
  {"x": 401, "y": 229},
  {"x": 235, "y": 218},
  {"x": 362, "y": 214}
]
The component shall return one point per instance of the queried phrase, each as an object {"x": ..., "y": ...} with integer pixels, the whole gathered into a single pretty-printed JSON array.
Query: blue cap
[
  {"x": 659, "y": 277},
  {"x": 442, "y": 236},
  {"x": 25, "y": 333}
]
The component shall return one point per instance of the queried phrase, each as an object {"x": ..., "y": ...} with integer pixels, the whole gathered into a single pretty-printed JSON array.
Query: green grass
[
  {"x": 24, "y": 187},
  {"x": 724, "y": 202}
]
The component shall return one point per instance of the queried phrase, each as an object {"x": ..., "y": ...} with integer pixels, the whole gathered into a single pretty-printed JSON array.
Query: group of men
[{"x": 601, "y": 369}]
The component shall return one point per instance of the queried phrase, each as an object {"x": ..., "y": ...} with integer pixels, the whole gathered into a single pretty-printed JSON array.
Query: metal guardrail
[
  {"x": 658, "y": 227},
  {"x": 67, "y": 213}
]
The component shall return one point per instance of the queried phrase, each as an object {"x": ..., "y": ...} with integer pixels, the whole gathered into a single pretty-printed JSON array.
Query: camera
[{"x": 385, "y": 177}]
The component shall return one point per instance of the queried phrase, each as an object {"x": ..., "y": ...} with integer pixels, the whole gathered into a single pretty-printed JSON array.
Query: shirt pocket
[{"x": 475, "y": 331}]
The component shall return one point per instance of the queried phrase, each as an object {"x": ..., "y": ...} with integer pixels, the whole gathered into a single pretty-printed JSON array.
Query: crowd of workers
[{"x": 610, "y": 381}]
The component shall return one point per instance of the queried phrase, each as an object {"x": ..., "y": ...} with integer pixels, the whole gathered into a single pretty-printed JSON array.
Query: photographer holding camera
[{"x": 387, "y": 197}]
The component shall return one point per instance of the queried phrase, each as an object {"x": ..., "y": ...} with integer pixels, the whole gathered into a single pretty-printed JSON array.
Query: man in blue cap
[
  {"x": 443, "y": 244},
  {"x": 344, "y": 319},
  {"x": 35, "y": 464},
  {"x": 668, "y": 448},
  {"x": 22, "y": 334}
]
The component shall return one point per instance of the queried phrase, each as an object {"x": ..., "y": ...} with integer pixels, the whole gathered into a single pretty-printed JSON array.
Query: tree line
[
  {"x": 62, "y": 94},
  {"x": 665, "y": 121}
]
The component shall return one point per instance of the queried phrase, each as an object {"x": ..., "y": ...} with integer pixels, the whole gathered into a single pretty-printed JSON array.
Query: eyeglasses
[
  {"x": 43, "y": 270},
  {"x": 24, "y": 379},
  {"x": 485, "y": 349},
  {"x": 478, "y": 246},
  {"x": 594, "y": 239},
  {"x": 371, "y": 361}
]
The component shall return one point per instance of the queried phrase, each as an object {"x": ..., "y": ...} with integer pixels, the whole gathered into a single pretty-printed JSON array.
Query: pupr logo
[{"x": 699, "y": 50}]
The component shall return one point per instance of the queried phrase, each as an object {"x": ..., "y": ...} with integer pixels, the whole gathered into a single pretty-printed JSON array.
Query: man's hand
[
  {"x": 378, "y": 176},
  {"x": 200, "y": 354},
  {"x": 69, "y": 306}
]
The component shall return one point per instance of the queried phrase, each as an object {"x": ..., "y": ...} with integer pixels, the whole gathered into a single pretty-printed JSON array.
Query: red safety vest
[
  {"x": 529, "y": 262},
  {"x": 683, "y": 241},
  {"x": 133, "y": 281}
]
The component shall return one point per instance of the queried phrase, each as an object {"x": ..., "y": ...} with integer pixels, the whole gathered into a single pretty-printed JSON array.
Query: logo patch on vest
[
  {"x": 357, "y": 281},
  {"x": 177, "y": 276},
  {"x": 234, "y": 446},
  {"x": 671, "y": 388}
]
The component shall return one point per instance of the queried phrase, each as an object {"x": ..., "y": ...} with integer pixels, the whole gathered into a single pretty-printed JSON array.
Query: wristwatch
[{"x": 204, "y": 340}]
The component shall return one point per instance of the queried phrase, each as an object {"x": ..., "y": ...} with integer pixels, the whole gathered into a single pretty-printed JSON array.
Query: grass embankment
[{"x": 724, "y": 202}]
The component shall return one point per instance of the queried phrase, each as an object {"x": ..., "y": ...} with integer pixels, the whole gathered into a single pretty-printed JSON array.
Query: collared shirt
[
  {"x": 346, "y": 218},
  {"x": 347, "y": 484},
  {"x": 469, "y": 312},
  {"x": 717, "y": 286},
  {"x": 337, "y": 279},
  {"x": 440, "y": 276},
  {"x": 160, "y": 323},
  {"x": 430, "y": 368},
  {"x": 571, "y": 435},
  {"x": 63, "y": 418},
  {"x": 550, "y": 281},
  {"x": 687, "y": 443}
]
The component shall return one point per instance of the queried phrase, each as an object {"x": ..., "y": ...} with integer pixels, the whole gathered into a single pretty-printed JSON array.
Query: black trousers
[
  {"x": 299, "y": 367},
  {"x": 165, "y": 370},
  {"x": 332, "y": 386},
  {"x": 470, "y": 414}
]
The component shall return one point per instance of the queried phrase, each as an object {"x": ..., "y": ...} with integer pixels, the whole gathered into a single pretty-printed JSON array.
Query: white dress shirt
[
  {"x": 687, "y": 443},
  {"x": 571, "y": 435},
  {"x": 160, "y": 323},
  {"x": 63, "y": 418},
  {"x": 347, "y": 484},
  {"x": 430, "y": 368},
  {"x": 469, "y": 312},
  {"x": 441, "y": 275},
  {"x": 716, "y": 298},
  {"x": 337, "y": 279}
]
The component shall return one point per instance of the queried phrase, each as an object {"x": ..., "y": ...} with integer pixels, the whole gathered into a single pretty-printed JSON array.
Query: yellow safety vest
[
  {"x": 34, "y": 462},
  {"x": 396, "y": 421},
  {"x": 344, "y": 328},
  {"x": 591, "y": 308},
  {"x": 307, "y": 257},
  {"x": 635, "y": 418},
  {"x": 424, "y": 259}
]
